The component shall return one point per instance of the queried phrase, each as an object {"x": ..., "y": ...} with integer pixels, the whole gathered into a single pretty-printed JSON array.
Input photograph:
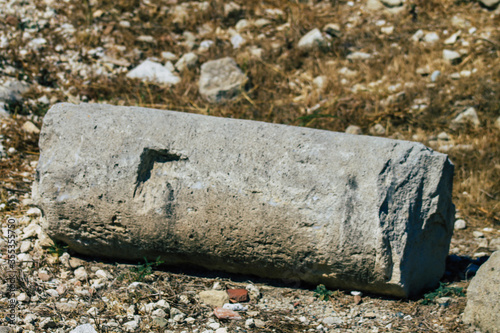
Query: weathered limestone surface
[
  {"x": 483, "y": 295},
  {"x": 278, "y": 201}
]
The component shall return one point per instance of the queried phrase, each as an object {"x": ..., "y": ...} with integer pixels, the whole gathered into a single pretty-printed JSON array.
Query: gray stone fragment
[
  {"x": 483, "y": 293},
  {"x": 468, "y": 116},
  {"x": 12, "y": 91},
  {"x": 278, "y": 201},
  {"x": 312, "y": 40},
  {"x": 221, "y": 80}
]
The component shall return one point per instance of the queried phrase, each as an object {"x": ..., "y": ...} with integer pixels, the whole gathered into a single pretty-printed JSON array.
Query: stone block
[{"x": 293, "y": 203}]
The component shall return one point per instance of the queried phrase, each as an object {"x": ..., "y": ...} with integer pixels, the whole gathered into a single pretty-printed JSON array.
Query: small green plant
[
  {"x": 322, "y": 293},
  {"x": 57, "y": 249},
  {"x": 139, "y": 272},
  {"x": 442, "y": 291}
]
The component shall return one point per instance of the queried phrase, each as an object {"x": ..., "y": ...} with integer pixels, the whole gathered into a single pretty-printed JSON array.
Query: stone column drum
[{"x": 351, "y": 212}]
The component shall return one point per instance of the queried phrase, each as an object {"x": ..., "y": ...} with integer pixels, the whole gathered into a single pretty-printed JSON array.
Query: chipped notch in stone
[{"x": 148, "y": 158}]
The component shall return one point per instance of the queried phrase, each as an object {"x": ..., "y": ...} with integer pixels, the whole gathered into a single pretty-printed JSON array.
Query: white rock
[
  {"x": 34, "y": 212},
  {"x": 93, "y": 311},
  {"x": 159, "y": 313},
  {"x": 205, "y": 45},
  {"x": 313, "y": 39},
  {"x": 30, "y": 318},
  {"x": 417, "y": 36},
  {"x": 242, "y": 25},
  {"x": 431, "y": 37},
  {"x": 168, "y": 56},
  {"x": 23, "y": 297},
  {"x": 163, "y": 304},
  {"x": 131, "y": 326},
  {"x": 29, "y": 127},
  {"x": 124, "y": 24},
  {"x": 131, "y": 311},
  {"x": 24, "y": 257},
  {"x": 25, "y": 246},
  {"x": 86, "y": 328},
  {"x": 155, "y": 72},
  {"x": 477, "y": 234},
  {"x": 214, "y": 326},
  {"x": 332, "y": 321},
  {"x": 249, "y": 323},
  {"x": 221, "y": 330},
  {"x": 237, "y": 40},
  {"x": 497, "y": 123},
  {"x": 256, "y": 52},
  {"x": 467, "y": 116},
  {"x": 253, "y": 291},
  {"x": 146, "y": 39},
  {"x": 262, "y": 22},
  {"x": 148, "y": 308},
  {"x": 221, "y": 80},
  {"x": 320, "y": 82},
  {"x": 387, "y": 30},
  {"x": 359, "y": 56},
  {"x": 235, "y": 307},
  {"x": 81, "y": 274},
  {"x": 187, "y": 61},
  {"x": 451, "y": 56},
  {"x": 353, "y": 129},
  {"x": 453, "y": 38},
  {"x": 64, "y": 259},
  {"x": 102, "y": 274}
]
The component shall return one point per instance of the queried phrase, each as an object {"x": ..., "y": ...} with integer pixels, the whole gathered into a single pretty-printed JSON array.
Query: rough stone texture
[
  {"x": 277, "y": 201},
  {"x": 85, "y": 328},
  {"x": 214, "y": 298},
  {"x": 221, "y": 80},
  {"x": 313, "y": 39},
  {"x": 154, "y": 72},
  {"x": 483, "y": 295}
]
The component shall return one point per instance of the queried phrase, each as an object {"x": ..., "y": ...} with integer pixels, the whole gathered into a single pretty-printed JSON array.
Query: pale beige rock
[
  {"x": 29, "y": 127},
  {"x": 214, "y": 298}
]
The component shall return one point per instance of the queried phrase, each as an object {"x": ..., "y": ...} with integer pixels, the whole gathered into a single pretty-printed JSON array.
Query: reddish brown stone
[
  {"x": 221, "y": 313},
  {"x": 357, "y": 299},
  {"x": 238, "y": 295},
  {"x": 12, "y": 20}
]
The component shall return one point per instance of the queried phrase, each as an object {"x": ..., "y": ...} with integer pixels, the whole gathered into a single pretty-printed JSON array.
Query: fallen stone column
[{"x": 352, "y": 212}]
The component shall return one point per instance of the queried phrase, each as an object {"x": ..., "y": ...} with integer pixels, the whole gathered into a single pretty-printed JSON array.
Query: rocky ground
[{"x": 426, "y": 71}]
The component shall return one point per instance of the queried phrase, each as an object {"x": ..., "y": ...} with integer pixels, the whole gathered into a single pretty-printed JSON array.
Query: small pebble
[{"x": 460, "y": 224}]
